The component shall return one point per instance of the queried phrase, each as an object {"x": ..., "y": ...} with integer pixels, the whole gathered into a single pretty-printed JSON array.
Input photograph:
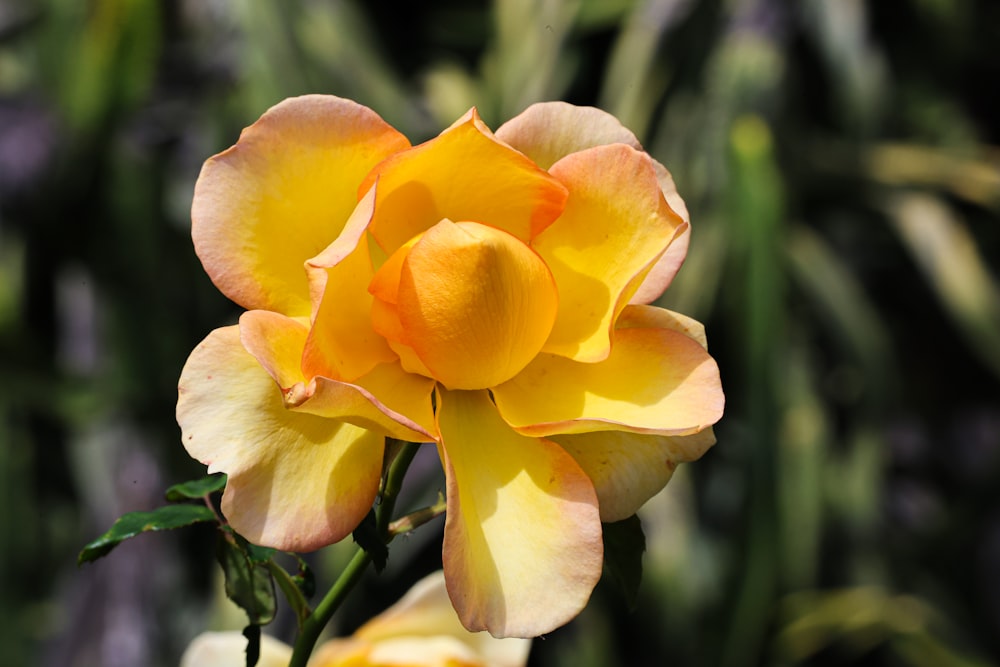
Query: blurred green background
[{"x": 841, "y": 160}]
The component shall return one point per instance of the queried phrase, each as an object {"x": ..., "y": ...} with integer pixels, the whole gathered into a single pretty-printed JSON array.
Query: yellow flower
[
  {"x": 483, "y": 292},
  {"x": 421, "y": 630}
]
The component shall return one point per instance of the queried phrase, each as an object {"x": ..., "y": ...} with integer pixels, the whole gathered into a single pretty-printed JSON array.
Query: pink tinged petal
[
  {"x": 282, "y": 194},
  {"x": 651, "y": 317},
  {"x": 463, "y": 174},
  {"x": 296, "y": 481},
  {"x": 549, "y": 131},
  {"x": 387, "y": 400},
  {"x": 522, "y": 543},
  {"x": 652, "y": 286},
  {"x": 616, "y": 225},
  {"x": 628, "y": 469},
  {"x": 655, "y": 381},
  {"x": 475, "y": 303},
  {"x": 342, "y": 343},
  {"x": 423, "y": 626},
  {"x": 666, "y": 268}
]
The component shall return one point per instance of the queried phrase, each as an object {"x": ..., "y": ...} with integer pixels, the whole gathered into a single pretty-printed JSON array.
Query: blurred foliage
[{"x": 841, "y": 161}]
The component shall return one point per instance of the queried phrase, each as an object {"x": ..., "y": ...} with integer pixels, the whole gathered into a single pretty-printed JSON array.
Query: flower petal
[
  {"x": 549, "y": 131},
  {"x": 405, "y": 394},
  {"x": 628, "y": 469},
  {"x": 387, "y": 399},
  {"x": 229, "y": 649},
  {"x": 655, "y": 381},
  {"x": 281, "y": 194},
  {"x": 522, "y": 543},
  {"x": 424, "y": 624},
  {"x": 616, "y": 225},
  {"x": 276, "y": 342},
  {"x": 654, "y": 283},
  {"x": 342, "y": 343},
  {"x": 475, "y": 304},
  {"x": 463, "y": 174},
  {"x": 651, "y": 317},
  {"x": 296, "y": 481}
]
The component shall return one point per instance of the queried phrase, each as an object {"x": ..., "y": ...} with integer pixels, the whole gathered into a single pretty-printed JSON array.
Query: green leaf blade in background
[
  {"x": 196, "y": 488},
  {"x": 134, "y": 523}
]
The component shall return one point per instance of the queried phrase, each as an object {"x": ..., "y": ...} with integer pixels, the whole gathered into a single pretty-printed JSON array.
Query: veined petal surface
[
  {"x": 463, "y": 174},
  {"x": 628, "y": 469},
  {"x": 615, "y": 226},
  {"x": 281, "y": 194},
  {"x": 655, "y": 381},
  {"x": 475, "y": 304},
  {"x": 296, "y": 481},
  {"x": 522, "y": 543}
]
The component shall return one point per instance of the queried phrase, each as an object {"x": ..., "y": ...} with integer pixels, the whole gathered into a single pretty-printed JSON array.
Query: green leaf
[
  {"x": 248, "y": 580},
  {"x": 133, "y": 523},
  {"x": 367, "y": 537},
  {"x": 196, "y": 489},
  {"x": 624, "y": 543}
]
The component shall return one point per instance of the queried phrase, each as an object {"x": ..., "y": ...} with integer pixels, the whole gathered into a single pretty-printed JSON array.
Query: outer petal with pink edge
[
  {"x": 628, "y": 469},
  {"x": 522, "y": 543},
  {"x": 296, "y": 481},
  {"x": 549, "y": 131},
  {"x": 615, "y": 226},
  {"x": 282, "y": 194},
  {"x": 386, "y": 399},
  {"x": 655, "y": 381}
]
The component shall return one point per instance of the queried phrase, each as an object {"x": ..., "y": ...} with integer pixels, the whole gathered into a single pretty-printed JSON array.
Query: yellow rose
[
  {"x": 421, "y": 630},
  {"x": 483, "y": 292}
]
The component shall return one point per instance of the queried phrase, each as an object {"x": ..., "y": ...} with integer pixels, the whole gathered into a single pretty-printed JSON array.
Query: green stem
[
  {"x": 393, "y": 483},
  {"x": 417, "y": 518},
  {"x": 312, "y": 626}
]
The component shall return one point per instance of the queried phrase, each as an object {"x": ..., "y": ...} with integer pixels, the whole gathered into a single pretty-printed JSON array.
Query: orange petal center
[{"x": 473, "y": 302}]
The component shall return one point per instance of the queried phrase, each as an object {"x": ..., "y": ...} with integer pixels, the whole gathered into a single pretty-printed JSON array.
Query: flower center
[{"x": 473, "y": 303}]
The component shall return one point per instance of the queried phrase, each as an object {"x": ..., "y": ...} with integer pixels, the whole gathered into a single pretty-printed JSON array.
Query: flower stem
[
  {"x": 393, "y": 483},
  {"x": 313, "y": 625},
  {"x": 417, "y": 518}
]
